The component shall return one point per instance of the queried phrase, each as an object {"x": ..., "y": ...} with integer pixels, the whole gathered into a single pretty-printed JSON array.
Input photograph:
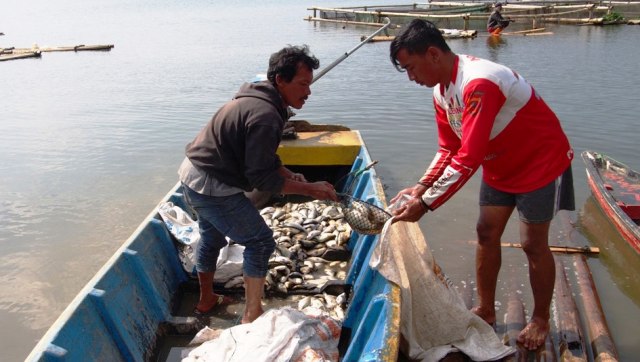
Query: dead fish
[
  {"x": 234, "y": 282},
  {"x": 279, "y": 214},
  {"x": 268, "y": 210},
  {"x": 313, "y": 233},
  {"x": 304, "y": 302},
  {"x": 296, "y": 226}
]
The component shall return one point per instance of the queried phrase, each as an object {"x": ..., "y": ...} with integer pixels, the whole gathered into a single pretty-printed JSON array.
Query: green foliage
[{"x": 612, "y": 17}]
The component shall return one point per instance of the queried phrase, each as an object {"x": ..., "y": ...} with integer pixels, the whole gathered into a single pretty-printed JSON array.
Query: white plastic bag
[
  {"x": 187, "y": 232},
  {"x": 284, "y": 334}
]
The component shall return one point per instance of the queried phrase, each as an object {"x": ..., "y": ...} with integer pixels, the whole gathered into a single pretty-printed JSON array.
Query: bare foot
[
  {"x": 206, "y": 304},
  {"x": 534, "y": 333},
  {"x": 489, "y": 315},
  {"x": 250, "y": 316}
]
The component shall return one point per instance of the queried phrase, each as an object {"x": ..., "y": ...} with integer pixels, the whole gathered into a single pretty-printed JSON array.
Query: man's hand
[
  {"x": 322, "y": 190},
  {"x": 290, "y": 175},
  {"x": 411, "y": 211},
  {"x": 297, "y": 177},
  {"x": 410, "y": 207},
  {"x": 415, "y": 191}
]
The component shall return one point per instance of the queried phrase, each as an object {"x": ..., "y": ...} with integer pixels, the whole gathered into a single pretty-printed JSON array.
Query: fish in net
[{"x": 363, "y": 217}]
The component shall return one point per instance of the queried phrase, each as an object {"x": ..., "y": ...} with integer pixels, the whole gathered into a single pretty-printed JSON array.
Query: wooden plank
[
  {"x": 74, "y": 48},
  {"x": 10, "y": 56}
]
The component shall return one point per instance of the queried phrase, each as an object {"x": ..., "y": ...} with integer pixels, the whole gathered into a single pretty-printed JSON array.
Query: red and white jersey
[{"x": 489, "y": 115}]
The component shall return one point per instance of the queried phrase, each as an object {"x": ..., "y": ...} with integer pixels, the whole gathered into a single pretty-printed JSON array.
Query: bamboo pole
[
  {"x": 548, "y": 351},
  {"x": 554, "y": 248},
  {"x": 567, "y": 318},
  {"x": 322, "y": 20},
  {"x": 460, "y": 35},
  {"x": 524, "y": 31},
  {"x": 599, "y": 336},
  {"x": 380, "y": 38},
  {"x": 514, "y": 321},
  {"x": 604, "y": 350},
  {"x": 562, "y": 249}
]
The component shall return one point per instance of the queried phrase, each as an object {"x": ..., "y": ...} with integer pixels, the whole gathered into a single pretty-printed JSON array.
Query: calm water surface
[{"x": 90, "y": 141}]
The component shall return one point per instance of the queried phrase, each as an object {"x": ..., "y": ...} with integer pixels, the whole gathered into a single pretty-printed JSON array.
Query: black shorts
[{"x": 537, "y": 206}]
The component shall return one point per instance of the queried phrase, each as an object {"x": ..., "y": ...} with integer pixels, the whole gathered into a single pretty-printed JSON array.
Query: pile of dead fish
[
  {"x": 323, "y": 304},
  {"x": 305, "y": 234}
]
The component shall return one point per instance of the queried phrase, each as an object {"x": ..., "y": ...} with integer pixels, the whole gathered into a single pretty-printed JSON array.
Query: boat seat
[{"x": 632, "y": 210}]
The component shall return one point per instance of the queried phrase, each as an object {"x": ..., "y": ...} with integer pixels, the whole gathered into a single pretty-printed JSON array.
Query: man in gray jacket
[
  {"x": 236, "y": 153},
  {"x": 497, "y": 23}
]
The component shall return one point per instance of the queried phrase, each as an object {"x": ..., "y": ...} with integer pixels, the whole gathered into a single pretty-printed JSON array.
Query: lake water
[{"x": 90, "y": 141}]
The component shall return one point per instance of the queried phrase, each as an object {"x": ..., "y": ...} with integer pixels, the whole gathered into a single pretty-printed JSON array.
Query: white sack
[{"x": 434, "y": 319}]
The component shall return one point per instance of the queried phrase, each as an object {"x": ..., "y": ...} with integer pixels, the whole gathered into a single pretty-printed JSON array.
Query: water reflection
[
  {"x": 494, "y": 43},
  {"x": 620, "y": 259}
]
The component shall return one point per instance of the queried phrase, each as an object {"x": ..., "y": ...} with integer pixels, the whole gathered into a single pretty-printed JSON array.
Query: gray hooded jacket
[{"x": 238, "y": 146}]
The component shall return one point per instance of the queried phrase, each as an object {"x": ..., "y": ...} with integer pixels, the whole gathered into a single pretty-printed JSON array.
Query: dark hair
[
  {"x": 285, "y": 62},
  {"x": 417, "y": 37}
]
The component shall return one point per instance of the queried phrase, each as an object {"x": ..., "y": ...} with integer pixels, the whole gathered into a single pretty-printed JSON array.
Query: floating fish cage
[{"x": 473, "y": 15}]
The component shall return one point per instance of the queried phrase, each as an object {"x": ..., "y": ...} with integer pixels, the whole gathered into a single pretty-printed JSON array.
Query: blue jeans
[{"x": 233, "y": 216}]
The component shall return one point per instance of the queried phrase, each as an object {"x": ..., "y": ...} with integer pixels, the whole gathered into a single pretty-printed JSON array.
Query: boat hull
[
  {"x": 616, "y": 188},
  {"x": 120, "y": 313}
]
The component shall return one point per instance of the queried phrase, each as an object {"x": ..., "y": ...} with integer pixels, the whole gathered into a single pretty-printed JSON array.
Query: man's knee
[
  {"x": 534, "y": 247},
  {"x": 488, "y": 234},
  {"x": 256, "y": 257}
]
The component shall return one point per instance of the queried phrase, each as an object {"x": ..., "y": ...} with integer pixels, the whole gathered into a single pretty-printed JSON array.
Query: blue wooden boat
[
  {"x": 126, "y": 311},
  {"x": 616, "y": 188}
]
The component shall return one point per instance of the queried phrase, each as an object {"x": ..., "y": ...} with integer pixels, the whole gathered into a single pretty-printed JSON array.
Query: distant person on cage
[
  {"x": 235, "y": 153},
  {"x": 496, "y": 22},
  {"x": 488, "y": 115}
]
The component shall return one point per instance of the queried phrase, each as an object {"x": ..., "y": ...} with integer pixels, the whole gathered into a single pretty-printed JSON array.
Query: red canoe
[{"x": 616, "y": 187}]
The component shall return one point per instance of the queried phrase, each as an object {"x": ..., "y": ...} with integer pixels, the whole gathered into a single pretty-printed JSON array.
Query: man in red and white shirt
[{"x": 488, "y": 115}]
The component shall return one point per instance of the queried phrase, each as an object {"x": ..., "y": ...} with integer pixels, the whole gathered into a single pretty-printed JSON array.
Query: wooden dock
[
  {"x": 35, "y": 51},
  {"x": 11, "y": 56}
]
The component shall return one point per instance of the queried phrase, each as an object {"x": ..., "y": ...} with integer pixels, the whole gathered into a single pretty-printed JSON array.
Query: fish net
[{"x": 363, "y": 217}]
